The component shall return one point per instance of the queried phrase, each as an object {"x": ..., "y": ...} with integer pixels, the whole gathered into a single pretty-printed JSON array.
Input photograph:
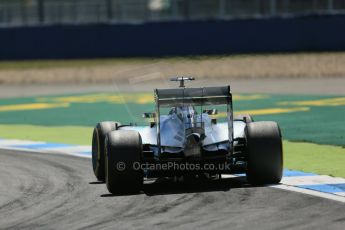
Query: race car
[{"x": 190, "y": 127}]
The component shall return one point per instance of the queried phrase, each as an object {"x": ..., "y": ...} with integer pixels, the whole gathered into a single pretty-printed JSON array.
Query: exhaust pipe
[{"x": 193, "y": 148}]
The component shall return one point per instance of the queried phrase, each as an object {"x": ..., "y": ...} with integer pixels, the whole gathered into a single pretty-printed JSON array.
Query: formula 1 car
[{"x": 187, "y": 127}]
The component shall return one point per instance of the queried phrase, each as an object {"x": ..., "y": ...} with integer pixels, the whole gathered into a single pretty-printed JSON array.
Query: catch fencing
[{"x": 15, "y": 13}]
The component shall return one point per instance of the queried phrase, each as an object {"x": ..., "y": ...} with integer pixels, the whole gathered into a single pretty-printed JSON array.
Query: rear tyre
[
  {"x": 265, "y": 153},
  {"x": 98, "y": 137},
  {"x": 244, "y": 117},
  {"x": 123, "y": 151}
]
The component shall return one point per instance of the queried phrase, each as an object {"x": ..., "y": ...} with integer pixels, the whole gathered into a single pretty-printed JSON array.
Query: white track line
[
  {"x": 310, "y": 192},
  {"x": 312, "y": 180},
  {"x": 340, "y": 194}
]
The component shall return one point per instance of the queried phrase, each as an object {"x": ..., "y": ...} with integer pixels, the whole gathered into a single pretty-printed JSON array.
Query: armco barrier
[{"x": 308, "y": 33}]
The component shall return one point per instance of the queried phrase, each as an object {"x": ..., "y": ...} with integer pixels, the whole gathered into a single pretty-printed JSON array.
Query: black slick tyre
[
  {"x": 123, "y": 155},
  {"x": 265, "y": 153},
  {"x": 98, "y": 138}
]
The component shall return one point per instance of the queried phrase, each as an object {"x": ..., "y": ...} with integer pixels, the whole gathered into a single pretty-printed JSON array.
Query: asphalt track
[{"x": 47, "y": 191}]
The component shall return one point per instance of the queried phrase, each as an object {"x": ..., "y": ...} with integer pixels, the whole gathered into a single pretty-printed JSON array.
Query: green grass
[
  {"x": 320, "y": 159},
  {"x": 88, "y": 109},
  {"x": 57, "y": 134}
]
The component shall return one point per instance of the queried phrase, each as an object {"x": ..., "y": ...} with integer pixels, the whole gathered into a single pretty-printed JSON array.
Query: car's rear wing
[{"x": 193, "y": 96}]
